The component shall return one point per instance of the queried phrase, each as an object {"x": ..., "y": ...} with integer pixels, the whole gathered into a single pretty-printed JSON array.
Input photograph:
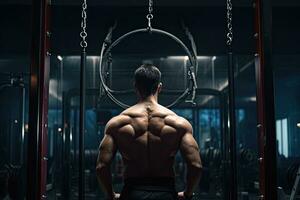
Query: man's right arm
[
  {"x": 107, "y": 151},
  {"x": 190, "y": 151}
]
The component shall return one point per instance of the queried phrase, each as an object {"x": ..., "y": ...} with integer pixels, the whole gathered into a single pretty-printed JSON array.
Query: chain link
[
  {"x": 83, "y": 33},
  {"x": 150, "y": 15},
  {"x": 229, "y": 23},
  {"x": 150, "y": 6}
]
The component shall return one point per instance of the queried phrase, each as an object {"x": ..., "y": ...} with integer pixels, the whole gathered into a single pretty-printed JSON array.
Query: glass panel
[
  {"x": 287, "y": 109},
  {"x": 287, "y": 100},
  {"x": 245, "y": 103},
  {"x": 14, "y": 88},
  {"x": 246, "y": 121},
  {"x": 55, "y": 129}
]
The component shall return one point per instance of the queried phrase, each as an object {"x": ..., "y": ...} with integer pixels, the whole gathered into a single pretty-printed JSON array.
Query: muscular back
[{"x": 148, "y": 137}]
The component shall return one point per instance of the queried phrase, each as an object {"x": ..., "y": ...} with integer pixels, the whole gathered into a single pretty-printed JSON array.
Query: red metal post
[
  {"x": 45, "y": 62},
  {"x": 260, "y": 95},
  {"x": 265, "y": 100},
  {"x": 38, "y": 102}
]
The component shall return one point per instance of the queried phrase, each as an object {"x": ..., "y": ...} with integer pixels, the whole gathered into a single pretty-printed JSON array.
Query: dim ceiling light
[
  {"x": 59, "y": 58},
  {"x": 186, "y": 57},
  {"x": 298, "y": 125},
  {"x": 252, "y": 99}
]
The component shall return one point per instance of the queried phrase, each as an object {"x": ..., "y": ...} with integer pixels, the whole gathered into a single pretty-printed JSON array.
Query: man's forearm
[
  {"x": 193, "y": 177},
  {"x": 105, "y": 180}
]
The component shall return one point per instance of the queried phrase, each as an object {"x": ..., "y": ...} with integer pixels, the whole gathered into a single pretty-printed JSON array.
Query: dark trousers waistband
[{"x": 150, "y": 183}]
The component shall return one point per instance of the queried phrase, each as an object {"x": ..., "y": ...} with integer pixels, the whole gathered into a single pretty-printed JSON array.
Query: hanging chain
[
  {"x": 229, "y": 23},
  {"x": 150, "y": 15},
  {"x": 83, "y": 33}
]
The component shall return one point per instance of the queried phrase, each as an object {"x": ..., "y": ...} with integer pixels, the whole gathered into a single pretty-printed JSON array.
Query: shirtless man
[{"x": 148, "y": 137}]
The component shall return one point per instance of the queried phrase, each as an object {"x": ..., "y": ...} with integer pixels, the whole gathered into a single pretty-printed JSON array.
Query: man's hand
[
  {"x": 180, "y": 196},
  {"x": 115, "y": 197}
]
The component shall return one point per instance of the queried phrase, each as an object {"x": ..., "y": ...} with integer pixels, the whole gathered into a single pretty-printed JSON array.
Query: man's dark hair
[{"x": 146, "y": 78}]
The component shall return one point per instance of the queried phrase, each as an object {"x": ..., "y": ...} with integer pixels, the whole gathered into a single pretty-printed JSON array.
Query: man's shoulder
[
  {"x": 117, "y": 122},
  {"x": 176, "y": 121}
]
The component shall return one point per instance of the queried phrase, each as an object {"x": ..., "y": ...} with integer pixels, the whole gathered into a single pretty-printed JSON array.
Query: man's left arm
[{"x": 107, "y": 151}]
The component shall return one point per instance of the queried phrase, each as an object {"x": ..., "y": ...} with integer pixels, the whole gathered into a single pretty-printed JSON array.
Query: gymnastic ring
[{"x": 103, "y": 54}]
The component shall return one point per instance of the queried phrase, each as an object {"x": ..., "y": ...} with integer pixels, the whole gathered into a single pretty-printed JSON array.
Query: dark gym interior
[{"x": 252, "y": 83}]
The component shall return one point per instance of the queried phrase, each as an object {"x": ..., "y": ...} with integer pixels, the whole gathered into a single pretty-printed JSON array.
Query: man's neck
[{"x": 152, "y": 99}]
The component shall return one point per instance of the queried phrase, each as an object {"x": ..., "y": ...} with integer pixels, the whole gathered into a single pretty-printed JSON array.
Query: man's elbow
[
  {"x": 196, "y": 165},
  {"x": 101, "y": 167}
]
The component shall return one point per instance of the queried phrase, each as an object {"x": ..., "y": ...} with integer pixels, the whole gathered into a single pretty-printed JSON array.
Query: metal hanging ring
[{"x": 107, "y": 49}]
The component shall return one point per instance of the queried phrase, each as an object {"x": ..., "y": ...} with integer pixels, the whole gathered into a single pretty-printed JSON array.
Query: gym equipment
[
  {"x": 107, "y": 46},
  {"x": 246, "y": 156},
  {"x": 211, "y": 156},
  {"x": 3, "y": 183},
  {"x": 292, "y": 174},
  {"x": 296, "y": 184},
  {"x": 14, "y": 183}
]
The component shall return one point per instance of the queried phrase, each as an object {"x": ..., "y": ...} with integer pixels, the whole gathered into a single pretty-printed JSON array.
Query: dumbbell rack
[{"x": 295, "y": 187}]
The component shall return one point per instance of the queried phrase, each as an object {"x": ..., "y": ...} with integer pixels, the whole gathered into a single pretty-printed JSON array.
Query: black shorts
[{"x": 149, "y": 189}]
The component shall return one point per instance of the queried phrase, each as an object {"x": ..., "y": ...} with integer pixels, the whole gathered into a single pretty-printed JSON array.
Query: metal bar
[
  {"x": 38, "y": 102},
  {"x": 199, "y": 91},
  {"x": 265, "y": 100},
  {"x": 259, "y": 97},
  {"x": 22, "y": 145},
  {"x": 10, "y": 136},
  {"x": 82, "y": 125},
  {"x": 66, "y": 146},
  {"x": 232, "y": 127},
  {"x": 75, "y": 134},
  {"x": 224, "y": 134}
]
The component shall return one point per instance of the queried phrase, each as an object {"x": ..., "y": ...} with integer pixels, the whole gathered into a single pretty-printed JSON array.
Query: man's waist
[{"x": 150, "y": 181}]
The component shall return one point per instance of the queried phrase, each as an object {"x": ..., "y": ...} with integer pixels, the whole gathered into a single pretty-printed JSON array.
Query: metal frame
[
  {"x": 232, "y": 127},
  {"x": 265, "y": 100},
  {"x": 81, "y": 180},
  {"x": 22, "y": 102},
  {"x": 66, "y": 147},
  {"x": 225, "y": 146},
  {"x": 38, "y": 102},
  {"x": 22, "y": 155}
]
